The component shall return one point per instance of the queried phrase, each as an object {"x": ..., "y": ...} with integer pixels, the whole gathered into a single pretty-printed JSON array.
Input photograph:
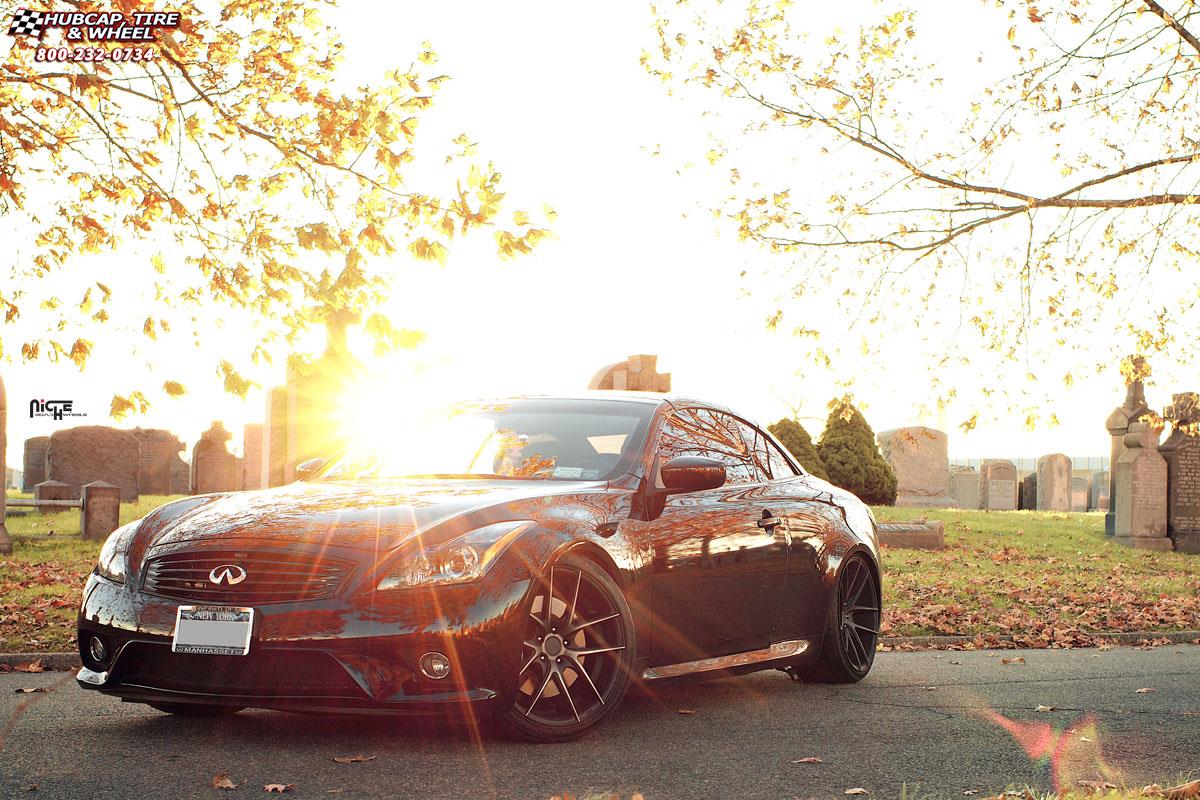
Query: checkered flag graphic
[{"x": 27, "y": 23}]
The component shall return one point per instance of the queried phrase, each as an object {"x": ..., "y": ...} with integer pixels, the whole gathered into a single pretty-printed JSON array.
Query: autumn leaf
[
  {"x": 31, "y": 666},
  {"x": 857, "y": 790},
  {"x": 1017, "y": 660},
  {"x": 1044, "y": 709},
  {"x": 29, "y": 689},
  {"x": 808, "y": 760},
  {"x": 686, "y": 712},
  {"x": 222, "y": 781},
  {"x": 279, "y": 788},
  {"x": 352, "y": 759},
  {"x": 1145, "y": 690}
]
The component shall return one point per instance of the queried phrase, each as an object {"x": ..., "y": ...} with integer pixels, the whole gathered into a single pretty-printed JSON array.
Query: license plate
[{"x": 213, "y": 630}]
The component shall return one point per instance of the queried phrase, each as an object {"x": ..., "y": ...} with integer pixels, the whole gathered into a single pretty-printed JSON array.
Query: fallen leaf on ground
[
  {"x": 1044, "y": 709},
  {"x": 1017, "y": 660},
  {"x": 971, "y": 791},
  {"x": 279, "y": 788},
  {"x": 1097, "y": 785},
  {"x": 32, "y": 666},
  {"x": 808, "y": 760},
  {"x": 1084, "y": 739},
  {"x": 856, "y": 790},
  {"x": 352, "y": 759},
  {"x": 1183, "y": 791},
  {"x": 29, "y": 689},
  {"x": 221, "y": 781},
  {"x": 1145, "y": 690},
  {"x": 930, "y": 688},
  {"x": 687, "y": 712}
]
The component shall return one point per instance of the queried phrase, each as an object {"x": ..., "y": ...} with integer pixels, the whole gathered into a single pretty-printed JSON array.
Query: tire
[
  {"x": 852, "y": 629},
  {"x": 195, "y": 709},
  {"x": 576, "y": 656}
]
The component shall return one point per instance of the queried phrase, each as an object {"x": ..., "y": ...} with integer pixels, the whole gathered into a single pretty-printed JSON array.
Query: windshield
[{"x": 519, "y": 440}]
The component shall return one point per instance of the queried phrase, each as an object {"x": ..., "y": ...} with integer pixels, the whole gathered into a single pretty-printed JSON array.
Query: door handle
[{"x": 769, "y": 522}]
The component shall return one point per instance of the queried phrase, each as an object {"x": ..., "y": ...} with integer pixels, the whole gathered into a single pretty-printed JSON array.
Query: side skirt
[{"x": 776, "y": 651}]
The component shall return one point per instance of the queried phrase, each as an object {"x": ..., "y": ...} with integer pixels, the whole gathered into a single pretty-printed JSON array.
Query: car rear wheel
[
  {"x": 576, "y": 655},
  {"x": 852, "y": 632},
  {"x": 195, "y": 709}
]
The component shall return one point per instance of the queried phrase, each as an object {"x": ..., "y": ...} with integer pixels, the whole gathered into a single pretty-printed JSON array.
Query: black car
[{"x": 527, "y": 557}]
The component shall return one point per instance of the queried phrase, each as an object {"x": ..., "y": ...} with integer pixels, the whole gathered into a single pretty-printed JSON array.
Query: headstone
[
  {"x": 1141, "y": 519},
  {"x": 1054, "y": 483},
  {"x": 637, "y": 373},
  {"x": 1118, "y": 425},
  {"x": 964, "y": 487},
  {"x": 214, "y": 468},
  {"x": 918, "y": 458},
  {"x": 77, "y": 456},
  {"x": 277, "y": 466},
  {"x": 52, "y": 490},
  {"x": 1181, "y": 451},
  {"x": 1028, "y": 500},
  {"x": 917, "y": 535},
  {"x": 252, "y": 456},
  {"x": 1079, "y": 493},
  {"x": 6, "y": 545},
  {"x": 35, "y": 462},
  {"x": 998, "y": 485},
  {"x": 181, "y": 476},
  {"x": 13, "y": 478},
  {"x": 1098, "y": 491},
  {"x": 158, "y": 452},
  {"x": 100, "y": 513}
]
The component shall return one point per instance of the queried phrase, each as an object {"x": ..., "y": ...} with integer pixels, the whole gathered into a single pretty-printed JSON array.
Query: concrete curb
[
  {"x": 1129, "y": 638},
  {"x": 67, "y": 661}
]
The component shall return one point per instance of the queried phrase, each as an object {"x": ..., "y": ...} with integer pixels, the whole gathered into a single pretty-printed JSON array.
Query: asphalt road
[{"x": 937, "y": 724}]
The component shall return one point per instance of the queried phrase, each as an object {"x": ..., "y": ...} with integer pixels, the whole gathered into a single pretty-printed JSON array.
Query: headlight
[
  {"x": 111, "y": 563},
  {"x": 457, "y": 561}
]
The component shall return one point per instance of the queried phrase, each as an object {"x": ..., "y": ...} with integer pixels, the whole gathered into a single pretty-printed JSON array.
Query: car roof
[{"x": 646, "y": 398}]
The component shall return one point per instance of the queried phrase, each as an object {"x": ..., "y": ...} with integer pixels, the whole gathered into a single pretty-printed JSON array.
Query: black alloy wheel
[
  {"x": 852, "y": 634},
  {"x": 576, "y": 656}
]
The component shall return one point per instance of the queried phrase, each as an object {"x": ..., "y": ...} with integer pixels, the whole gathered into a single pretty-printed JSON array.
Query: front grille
[
  {"x": 270, "y": 577},
  {"x": 263, "y": 673}
]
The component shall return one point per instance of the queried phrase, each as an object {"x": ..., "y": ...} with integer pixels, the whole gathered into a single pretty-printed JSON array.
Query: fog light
[
  {"x": 435, "y": 666},
  {"x": 98, "y": 650}
]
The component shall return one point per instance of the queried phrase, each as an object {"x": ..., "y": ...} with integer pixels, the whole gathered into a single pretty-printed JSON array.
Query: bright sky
[{"x": 557, "y": 98}]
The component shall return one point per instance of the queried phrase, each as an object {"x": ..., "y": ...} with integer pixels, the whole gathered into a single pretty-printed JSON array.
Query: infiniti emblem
[{"x": 230, "y": 574}]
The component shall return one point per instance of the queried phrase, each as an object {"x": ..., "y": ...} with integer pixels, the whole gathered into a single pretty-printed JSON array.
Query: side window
[
  {"x": 699, "y": 432},
  {"x": 780, "y": 466},
  {"x": 758, "y": 450}
]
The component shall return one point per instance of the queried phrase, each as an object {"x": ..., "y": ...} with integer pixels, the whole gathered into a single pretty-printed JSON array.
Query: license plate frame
[{"x": 213, "y": 630}]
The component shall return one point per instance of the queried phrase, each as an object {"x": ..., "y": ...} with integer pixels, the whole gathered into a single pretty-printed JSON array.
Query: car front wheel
[{"x": 576, "y": 655}]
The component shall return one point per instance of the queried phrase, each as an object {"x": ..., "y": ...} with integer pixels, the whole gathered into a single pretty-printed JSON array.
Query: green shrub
[
  {"x": 797, "y": 441},
  {"x": 851, "y": 457}
]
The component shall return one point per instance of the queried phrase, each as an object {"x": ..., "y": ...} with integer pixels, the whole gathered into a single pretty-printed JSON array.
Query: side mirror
[
  {"x": 692, "y": 474},
  {"x": 306, "y": 468}
]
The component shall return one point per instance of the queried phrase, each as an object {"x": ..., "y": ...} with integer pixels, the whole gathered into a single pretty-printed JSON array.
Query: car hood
[{"x": 378, "y": 515}]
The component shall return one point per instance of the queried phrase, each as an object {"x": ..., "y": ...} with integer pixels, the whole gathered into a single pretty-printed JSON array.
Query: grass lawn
[
  {"x": 41, "y": 581},
  {"x": 1046, "y": 579}
]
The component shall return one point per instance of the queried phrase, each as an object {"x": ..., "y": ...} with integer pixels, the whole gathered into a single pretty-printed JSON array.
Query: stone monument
[
  {"x": 1054, "y": 483},
  {"x": 77, "y": 456},
  {"x": 918, "y": 458},
  {"x": 34, "y": 462},
  {"x": 214, "y": 468},
  {"x": 636, "y": 374},
  {"x": 1141, "y": 499},
  {"x": 1098, "y": 491},
  {"x": 100, "y": 513},
  {"x": 964, "y": 487},
  {"x": 1079, "y": 493},
  {"x": 158, "y": 452},
  {"x": 1181, "y": 451},
  {"x": 998, "y": 485},
  {"x": 1028, "y": 499},
  {"x": 1118, "y": 425}
]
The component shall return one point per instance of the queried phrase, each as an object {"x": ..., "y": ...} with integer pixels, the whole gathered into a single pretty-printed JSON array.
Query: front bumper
[{"x": 356, "y": 654}]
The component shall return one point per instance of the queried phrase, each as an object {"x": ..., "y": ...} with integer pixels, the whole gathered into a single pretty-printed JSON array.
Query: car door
[
  {"x": 718, "y": 575},
  {"x": 789, "y": 496}
]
